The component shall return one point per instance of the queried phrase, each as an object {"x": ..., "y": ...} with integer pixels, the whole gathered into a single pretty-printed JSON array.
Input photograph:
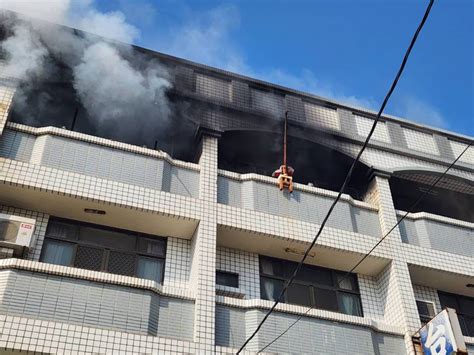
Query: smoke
[
  {"x": 25, "y": 52},
  {"x": 118, "y": 88},
  {"x": 122, "y": 91}
]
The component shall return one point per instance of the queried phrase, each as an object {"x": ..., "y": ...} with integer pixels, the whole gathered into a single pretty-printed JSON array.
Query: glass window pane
[
  {"x": 227, "y": 279},
  {"x": 346, "y": 282},
  {"x": 56, "y": 252},
  {"x": 349, "y": 304},
  {"x": 298, "y": 294},
  {"x": 150, "y": 246},
  {"x": 107, "y": 238},
  {"x": 425, "y": 308},
  {"x": 448, "y": 301},
  {"x": 469, "y": 322},
  {"x": 150, "y": 268},
  {"x": 466, "y": 306},
  {"x": 271, "y": 267},
  {"x": 325, "y": 299},
  {"x": 314, "y": 275},
  {"x": 270, "y": 289},
  {"x": 62, "y": 230}
]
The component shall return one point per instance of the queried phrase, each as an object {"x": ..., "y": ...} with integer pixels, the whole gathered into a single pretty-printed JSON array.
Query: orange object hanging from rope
[{"x": 285, "y": 173}]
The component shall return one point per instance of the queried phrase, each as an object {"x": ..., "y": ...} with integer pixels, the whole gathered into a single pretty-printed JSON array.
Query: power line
[
  {"x": 409, "y": 210},
  {"x": 347, "y": 179}
]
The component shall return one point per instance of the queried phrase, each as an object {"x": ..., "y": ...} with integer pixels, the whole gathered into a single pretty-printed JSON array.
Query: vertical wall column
[
  {"x": 7, "y": 90},
  {"x": 203, "y": 264},
  {"x": 395, "y": 282}
]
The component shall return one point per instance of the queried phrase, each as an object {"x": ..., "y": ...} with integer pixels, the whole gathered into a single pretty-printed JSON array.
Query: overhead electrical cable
[
  {"x": 347, "y": 179},
  {"x": 409, "y": 210}
]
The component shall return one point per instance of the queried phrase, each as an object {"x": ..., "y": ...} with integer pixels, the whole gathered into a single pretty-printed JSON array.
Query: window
[
  {"x": 98, "y": 248},
  {"x": 464, "y": 307},
  {"x": 313, "y": 286},
  {"x": 426, "y": 311},
  {"x": 229, "y": 279}
]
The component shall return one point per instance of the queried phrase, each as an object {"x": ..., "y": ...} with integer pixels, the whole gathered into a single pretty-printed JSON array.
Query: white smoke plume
[
  {"x": 111, "y": 88},
  {"x": 112, "y": 83},
  {"x": 26, "y": 54}
]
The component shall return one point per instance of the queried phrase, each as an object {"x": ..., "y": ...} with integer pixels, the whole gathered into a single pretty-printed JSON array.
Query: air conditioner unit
[{"x": 16, "y": 232}]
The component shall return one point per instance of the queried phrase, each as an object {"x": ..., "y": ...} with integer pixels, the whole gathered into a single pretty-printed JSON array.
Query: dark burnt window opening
[
  {"x": 439, "y": 201},
  {"x": 315, "y": 164},
  {"x": 42, "y": 104}
]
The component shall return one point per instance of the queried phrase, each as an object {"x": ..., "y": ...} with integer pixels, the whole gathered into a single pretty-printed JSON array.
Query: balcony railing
[
  {"x": 79, "y": 153},
  {"x": 309, "y": 204},
  {"x": 437, "y": 232}
]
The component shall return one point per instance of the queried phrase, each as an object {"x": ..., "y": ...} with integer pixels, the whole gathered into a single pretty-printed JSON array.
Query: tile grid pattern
[
  {"x": 400, "y": 307},
  {"x": 424, "y": 293},
  {"x": 6, "y": 97},
  {"x": 204, "y": 249},
  {"x": 243, "y": 263},
  {"x": 458, "y": 148},
  {"x": 177, "y": 265},
  {"x": 213, "y": 87},
  {"x": 364, "y": 124},
  {"x": 320, "y": 116},
  {"x": 421, "y": 141},
  {"x": 40, "y": 228}
]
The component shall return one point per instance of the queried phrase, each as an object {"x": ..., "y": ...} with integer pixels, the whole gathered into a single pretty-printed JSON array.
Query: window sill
[{"x": 228, "y": 291}]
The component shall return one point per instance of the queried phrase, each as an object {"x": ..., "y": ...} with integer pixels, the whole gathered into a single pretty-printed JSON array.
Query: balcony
[
  {"x": 101, "y": 158},
  {"x": 308, "y": 204},
  {"x": 437, "y": 232},
  {"x": 118, "y": 303}
]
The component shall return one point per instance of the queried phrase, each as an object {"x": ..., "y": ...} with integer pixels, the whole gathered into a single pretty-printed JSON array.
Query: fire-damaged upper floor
[{"x": 137, "y": 96}]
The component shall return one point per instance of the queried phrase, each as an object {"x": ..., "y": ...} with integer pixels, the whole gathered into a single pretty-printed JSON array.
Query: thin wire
[
  {"x": 410, "y": 210},
  {"x": 346, "y": 181}
]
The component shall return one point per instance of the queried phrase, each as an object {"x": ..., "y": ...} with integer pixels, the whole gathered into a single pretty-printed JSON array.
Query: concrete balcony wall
[
  {"x": 309, "y": 335},
  {"x": 88, "y": 303},
  {"x": 308, "y": 204},
  {"x": 16, "y": 145},
  {"x": 439, "y": 233},
  {"x": 99, "y": 161}
]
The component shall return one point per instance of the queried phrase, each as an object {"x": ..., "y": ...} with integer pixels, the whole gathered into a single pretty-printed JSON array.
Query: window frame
[
  {"x": 424, "y": 318},
  {"x": 461, "y": 314},
  {"x": 290, "y": 265},
  {"x": 228, "y": 273},
  {"x": 76, "y": 242}
]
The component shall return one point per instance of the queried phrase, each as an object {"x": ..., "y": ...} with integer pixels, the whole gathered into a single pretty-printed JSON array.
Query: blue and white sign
[{"x": 442, "y": 335}]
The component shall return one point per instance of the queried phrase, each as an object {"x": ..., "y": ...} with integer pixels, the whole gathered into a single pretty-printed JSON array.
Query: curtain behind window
[{"x": 59, "y": 253}]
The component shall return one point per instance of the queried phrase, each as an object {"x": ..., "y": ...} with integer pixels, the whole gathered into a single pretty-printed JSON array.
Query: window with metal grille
[
  {"x": 464, "y": 307},
  {"x": 100, "y": 248},
  {"x": 313, "y": 286},
  {"x": 426, "y": 310}
]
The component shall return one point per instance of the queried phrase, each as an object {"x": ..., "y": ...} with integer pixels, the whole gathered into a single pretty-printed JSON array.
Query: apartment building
[{"x": 178, "y": 241}]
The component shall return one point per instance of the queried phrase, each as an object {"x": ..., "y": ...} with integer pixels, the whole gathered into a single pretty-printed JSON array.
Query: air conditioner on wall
[{"x": 16, "y": 232}]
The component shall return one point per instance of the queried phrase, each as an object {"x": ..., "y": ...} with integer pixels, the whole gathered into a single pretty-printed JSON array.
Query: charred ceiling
[
  {"x": 452, "y": 197},
  {"x": 261, "y": 152}
]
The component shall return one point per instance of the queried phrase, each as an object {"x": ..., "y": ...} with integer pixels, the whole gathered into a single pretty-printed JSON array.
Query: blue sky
[{"x": 347, "y": 50}]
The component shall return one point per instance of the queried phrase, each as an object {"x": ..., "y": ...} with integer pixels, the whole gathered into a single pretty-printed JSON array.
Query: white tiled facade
[{"x": 207, "y": 231}]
